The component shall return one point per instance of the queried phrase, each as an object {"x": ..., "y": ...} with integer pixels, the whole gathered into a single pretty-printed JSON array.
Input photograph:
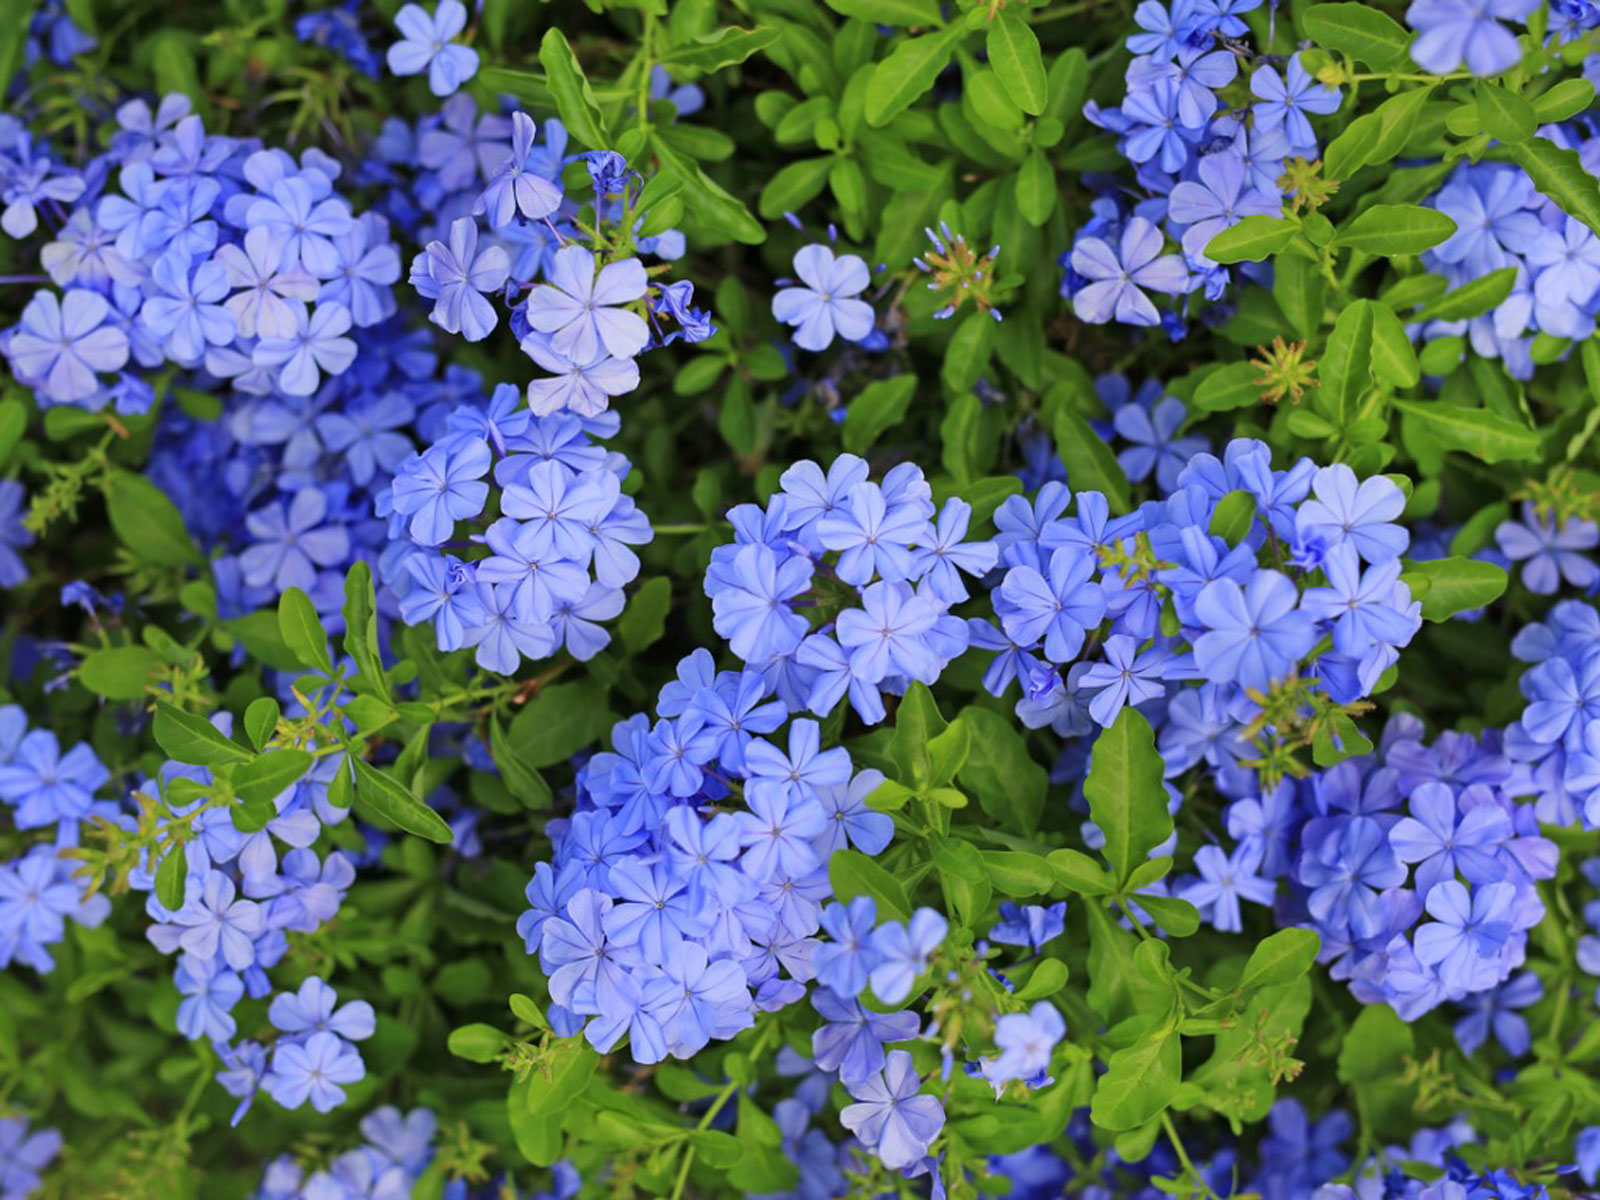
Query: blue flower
[
  {"x": 889, "y": 635},
  {"x": 427, "y": 44},
  {"x": 1060, "y": 609},
  {"x": 1221, "y": 197},
  {"x": 825, "y": 304},
  {"x": 1224, "y": 880},
  {"x": 1117, "y": 277},
  {"x": 1030, "y": 925},
  {"x": 317, "y": 344},
  {"x": 583, "y": 311},
  {"x": 1026, "y": 1041},
  {"x": 1283, "y": 102},
  {"x": 750, "y": 609},
  {"x": 60, "y": 344},
  {"x": 890, "y": 1115},
  {"x": 1253, "y": 635},
  {"x": 184, "y": 311},
  {"x": 24, "y": 1155},
  {"x": 1496, "y": 1009},
  {"x": 1468, "y": 937},
  {"x": 441, "y": 487},
  {"x": 1549, "y": 553},
  {"x": 14, "y": 534},
  {"x": 454, "y": 275},
  {"x": 517, "y": 189},
  {"x": 1453, "y": 32},
  {"x": 318, "y": 1069},
  {"x": 845, "y": 962},
  {"x": 852, "y": 1039},
  {"x": 903, "y": 952},
  {"x": 292, "y": 542}
]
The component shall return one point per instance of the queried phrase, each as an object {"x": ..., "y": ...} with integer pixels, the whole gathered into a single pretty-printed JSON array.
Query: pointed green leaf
[{"x": 1126, "y": 794}]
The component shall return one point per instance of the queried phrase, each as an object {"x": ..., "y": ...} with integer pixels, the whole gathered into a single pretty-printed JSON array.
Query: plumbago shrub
[{"x": 876, "y": 598}]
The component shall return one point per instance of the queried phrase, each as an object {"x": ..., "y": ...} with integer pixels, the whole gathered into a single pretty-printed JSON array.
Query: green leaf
[
  {"x": 1560, "y": 175},
  {"x": 1446, "y": 586},
  {"x": 261, "y": 721},
  {"x": 1234, "y": 515},
  {"x": 561, "y": 720},
  {"x": 120, "y": 672},
  {"x": 908, "y": 73},
  {"x": 1048, "y": 978},
  {"x": 1566, "y": 99},
  {"x": 962, "y": 875},
  {"x": 302, "y": 630},
  {"x": 1234, "y": 386},
  {"x": 13, "y": 423},
  {"x": 724, "y": 48},
  {"x": 1476, "y": 431},
  {"x": 1000, "y": 773},
  {"x": 1345, "y": 371},
  {"x": 793, "y": 186},
  {"x": 191, "y": 738},
  {"x": 1252, "y": 239},
  {"x": 1090, "y": 464},
  {"x": 645, "y": 619},
  {"x": 853, "y": 874},
  {"x": 171, "y": 876},
  {"x": 1018, "y": 874},
  {"x": 1014, "y": 55},
  {"x": 916, "y": 723},
  {"x": 525, "y": 784},
  {"x": 1036, "y": 188},
  {"x": 1394, "y": 359},
  {"x": 1359, "y": 31},
  {"x": 361, "y": 627},
  {"x": 565, "y": 1070},
  {"x": 269, "y": 776},
  {"x": 1299, "y": 289},
  {"x": 889, "y": 12},
  {"x": 146, "y": 522},
  {"x": 1376, "y": 1046},
  {"x": 707, "y": 200},
  {"x": 1387, "y": 229},
  {"x": 477, "y": 1043},
  {"x": 1177, "y": 917},
  {"x": 1504, "y": 115},
  {"x": 967, "y": 356},
  {"x": 1126, "y": 794},
  {"x": 1280, "y": 958},
  {"x": 382, "y": 795},
  {"x": 1471, "y": 299},
  {"x": 878, "y": 407},
  {"x": 1139, "y": 1083},
  {"x": 1079, "y": 873},
  {"x": 569, "y": 88}
]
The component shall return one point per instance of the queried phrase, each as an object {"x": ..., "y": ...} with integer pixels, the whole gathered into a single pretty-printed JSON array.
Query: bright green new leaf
[
  {"x": 1127, "y": 798},
  {"x": 1477, "y": 431},
  {"x": 1447, "y": 586},
  {"x": 1014, "y": 55},
  {"x": 380, "y": 794},
  {"x": 1388, "y": 229},
  {"x": 1252, "y": 239}
]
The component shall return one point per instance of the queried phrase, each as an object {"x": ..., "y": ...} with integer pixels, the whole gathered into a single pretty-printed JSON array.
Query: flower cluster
[
  {"x": 1504, "y": 223},
  {"x": 50, "y": 797},
  {"x": 1099, "y": 612},
  {"x": 687, "y": 887},
  {"x": 241, "y": 900},
  {"x": 1203, "y": 166},
  {"x": 840, "y": 586},
  {"x": 1417, "y": 865},
  {"x": 1556, "y": 742},
  {"x": 210, "y": 253},
  {"x": 543, "y": 573}
]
